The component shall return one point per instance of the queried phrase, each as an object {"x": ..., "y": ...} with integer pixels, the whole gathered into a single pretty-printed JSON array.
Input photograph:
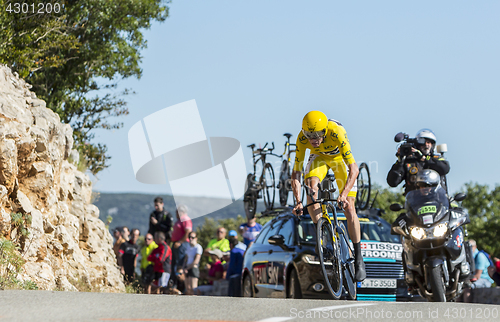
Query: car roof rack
[{"x": 275, "y": 211}]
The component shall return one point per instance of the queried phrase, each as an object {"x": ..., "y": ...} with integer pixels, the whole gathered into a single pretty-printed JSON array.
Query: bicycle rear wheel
[
  {"x": 284, "y": 188},
  {"x": 250, "y": 198},
  {"x": 347, "y": 265},
  {"x": 268, "y": 186},
  {"x": 364, "y": 187},
  {"x": 329, "y": 257}
]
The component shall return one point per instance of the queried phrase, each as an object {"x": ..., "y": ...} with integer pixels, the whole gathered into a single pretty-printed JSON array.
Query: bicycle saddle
[
  {"x": 288, "y": 135},
  {"x": 251, "y": 146}
]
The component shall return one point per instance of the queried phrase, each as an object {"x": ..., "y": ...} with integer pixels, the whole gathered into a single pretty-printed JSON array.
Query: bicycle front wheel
[
  {"x": 329, "y": 257},
  {"x": 268, "y": 186}
]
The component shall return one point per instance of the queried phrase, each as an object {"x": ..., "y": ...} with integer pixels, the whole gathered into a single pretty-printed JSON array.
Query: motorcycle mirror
[
  {"x": 396, "y": 207},
  {"x": 399, "y": 137},
  {"x": 460, "y": 196}
]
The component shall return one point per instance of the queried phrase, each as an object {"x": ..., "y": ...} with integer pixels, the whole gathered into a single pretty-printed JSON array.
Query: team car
[{"x": 282, "y": 261}]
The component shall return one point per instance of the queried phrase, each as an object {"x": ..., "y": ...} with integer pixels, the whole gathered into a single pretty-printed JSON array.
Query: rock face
[{"x": 67, "y": 241}]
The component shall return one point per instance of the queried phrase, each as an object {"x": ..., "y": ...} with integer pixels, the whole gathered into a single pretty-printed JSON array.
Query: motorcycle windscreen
[{"x": 427, "y": 205}]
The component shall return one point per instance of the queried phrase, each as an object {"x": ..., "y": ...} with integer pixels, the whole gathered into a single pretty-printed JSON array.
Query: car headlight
[
  {"x": 417, "y": 232},
  {"x": 440, "y": 230}
]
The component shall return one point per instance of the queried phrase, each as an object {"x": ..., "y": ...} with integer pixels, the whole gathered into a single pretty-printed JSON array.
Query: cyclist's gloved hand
[
  {"x": 342, "y": 201},
  {"x": 297, "y": 210}
]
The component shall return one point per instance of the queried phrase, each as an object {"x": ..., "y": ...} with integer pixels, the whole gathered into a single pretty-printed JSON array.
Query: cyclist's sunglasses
[{"x": 314, "y": 135}]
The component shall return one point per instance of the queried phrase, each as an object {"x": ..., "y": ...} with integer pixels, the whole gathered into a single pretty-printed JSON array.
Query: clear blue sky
[{"x": 379, "y": 67}]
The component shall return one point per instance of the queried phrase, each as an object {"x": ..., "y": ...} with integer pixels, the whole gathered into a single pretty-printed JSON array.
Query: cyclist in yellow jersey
[{"x": 330, "y": 149}]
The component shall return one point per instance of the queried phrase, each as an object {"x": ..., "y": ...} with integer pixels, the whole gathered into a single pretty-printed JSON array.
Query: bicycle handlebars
[{"x": 310, "y": 193}]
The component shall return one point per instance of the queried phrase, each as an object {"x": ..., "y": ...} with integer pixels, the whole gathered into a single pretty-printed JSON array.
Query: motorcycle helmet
[
  {"x": 426, "y": 134},
  {"x": 429, "y": 135},
  {"x": 314, "y": 125},
  {"x": 428, "y": 178}
]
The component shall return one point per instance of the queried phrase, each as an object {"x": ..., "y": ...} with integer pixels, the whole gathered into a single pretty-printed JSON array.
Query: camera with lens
[{"x": 405, "y": 150}]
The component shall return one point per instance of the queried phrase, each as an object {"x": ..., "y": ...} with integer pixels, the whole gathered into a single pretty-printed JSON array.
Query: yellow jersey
[{"x": 335, "y": 144}]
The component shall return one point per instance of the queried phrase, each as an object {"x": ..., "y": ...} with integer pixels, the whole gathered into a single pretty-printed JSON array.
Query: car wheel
[
  {"x": 247, "y": 287},
  {"x": 294, "y": 291}
]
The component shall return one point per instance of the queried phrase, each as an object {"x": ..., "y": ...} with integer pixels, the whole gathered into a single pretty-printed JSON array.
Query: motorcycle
[{"x": 436, "y": 260}]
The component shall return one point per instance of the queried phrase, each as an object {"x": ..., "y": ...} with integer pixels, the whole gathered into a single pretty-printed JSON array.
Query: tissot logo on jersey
[{"x": 382, "y": 250}]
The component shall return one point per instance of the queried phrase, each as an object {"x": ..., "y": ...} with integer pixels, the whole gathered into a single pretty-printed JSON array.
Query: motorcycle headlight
[
  {"x": 440, "y": 230},
  {"x": 417, "y": 232}
]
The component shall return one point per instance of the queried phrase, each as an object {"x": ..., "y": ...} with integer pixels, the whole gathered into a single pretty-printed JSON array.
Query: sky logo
[{"x": 171, "y": 143}]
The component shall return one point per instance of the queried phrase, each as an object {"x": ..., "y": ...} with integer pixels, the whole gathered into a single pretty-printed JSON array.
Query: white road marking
[
  {"x": 325, "y": 308},
  {"x": 336, "y": 307},
  {"x": 276, "y": 319}
]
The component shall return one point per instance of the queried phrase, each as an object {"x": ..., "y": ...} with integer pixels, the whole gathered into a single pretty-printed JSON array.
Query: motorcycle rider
[{"x": 423, "y": 157}]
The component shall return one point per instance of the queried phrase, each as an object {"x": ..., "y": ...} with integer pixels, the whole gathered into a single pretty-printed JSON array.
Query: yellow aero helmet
[{"x": 314, "y": 125}]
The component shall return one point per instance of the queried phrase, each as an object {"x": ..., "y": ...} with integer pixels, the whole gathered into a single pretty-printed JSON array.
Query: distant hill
[{"x": 133, "y": 209}]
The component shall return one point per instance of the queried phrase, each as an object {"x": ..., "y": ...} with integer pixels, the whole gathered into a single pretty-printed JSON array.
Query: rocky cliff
[{"x": 66, "y": 242}]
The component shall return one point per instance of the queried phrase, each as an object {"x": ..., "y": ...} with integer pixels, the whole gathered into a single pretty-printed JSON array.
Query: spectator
[
  {"x": 214, "y": 274},
  {"x": 218, "y": 243},
  {"x": 480, "y": 279},
  {"x": 127, "y": 256},
  {"x": 147, "y": 271},
  {"x": 125, "y": 232},
  {"x": 233, "y": 274},
  {"x": 234, "y": 234},
  {"x": 180, "y": 239},
  {"x": 191, "y": 264},
  {"x": 161, "y": 257},
  {"x": 494, "y": 271},
  {"x": 117, "y": 233},
  {"x": 160, "y": 220},
  {"x": 249, "y": 231}
]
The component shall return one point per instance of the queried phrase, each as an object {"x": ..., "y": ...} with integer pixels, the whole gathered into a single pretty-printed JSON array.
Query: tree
[
  {"x": 75, "y": 58},
  {"x": 483, "y": 206},
  {"x": 384, "y": 199}
]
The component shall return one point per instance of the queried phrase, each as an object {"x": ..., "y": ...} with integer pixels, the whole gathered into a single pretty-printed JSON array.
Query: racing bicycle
[
  {"x": 335, "y": 253},
  {"x": 264, "y": 186}
]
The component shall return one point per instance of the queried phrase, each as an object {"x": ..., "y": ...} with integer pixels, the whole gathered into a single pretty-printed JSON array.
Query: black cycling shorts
[{"x": 194, "y": 272}]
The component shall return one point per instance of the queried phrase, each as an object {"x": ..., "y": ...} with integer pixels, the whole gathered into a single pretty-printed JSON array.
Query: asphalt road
[{"x": 69, "y": 306}]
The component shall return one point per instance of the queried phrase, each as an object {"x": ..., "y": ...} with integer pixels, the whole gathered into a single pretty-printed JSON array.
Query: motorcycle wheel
[{"x": 437, "y": 284}]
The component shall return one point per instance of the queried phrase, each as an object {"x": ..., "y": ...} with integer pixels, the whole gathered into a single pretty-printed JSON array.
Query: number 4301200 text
[{"x": 17, "y": 7}]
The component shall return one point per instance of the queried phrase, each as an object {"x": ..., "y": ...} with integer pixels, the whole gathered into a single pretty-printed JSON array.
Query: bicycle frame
[
  {"x": 288, "y": 146},
  {"x": 333, "y": 222},
  {"x": 262, "y": 152}
]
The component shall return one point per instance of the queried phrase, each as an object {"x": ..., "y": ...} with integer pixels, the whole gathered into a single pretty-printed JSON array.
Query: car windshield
[
  {"x": 375, "y": 230},
  {"x": 306, "y": 231}
]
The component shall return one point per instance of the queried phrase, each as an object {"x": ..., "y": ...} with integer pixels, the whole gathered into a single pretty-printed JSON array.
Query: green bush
[{"x": 11, "y": 262}]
